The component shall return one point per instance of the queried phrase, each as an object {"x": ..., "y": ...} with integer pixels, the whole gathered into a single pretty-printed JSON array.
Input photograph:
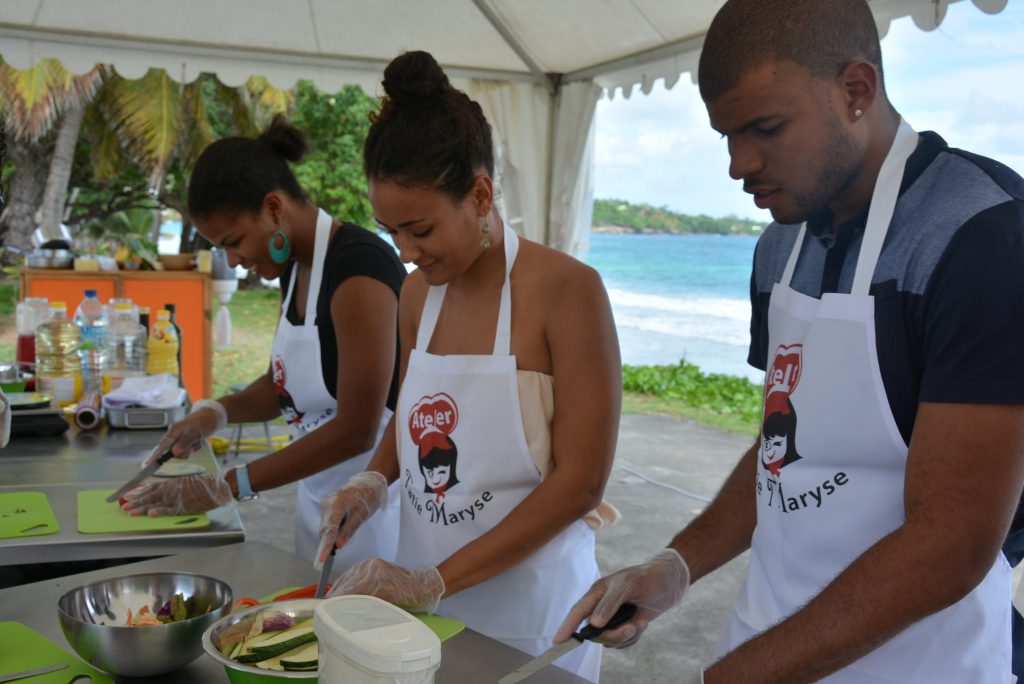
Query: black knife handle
[
  {"x": 165, "y": 457},
  {"x": 623, "y": 615}
]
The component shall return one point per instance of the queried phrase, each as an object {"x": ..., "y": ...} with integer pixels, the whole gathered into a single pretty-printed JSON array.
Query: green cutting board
[
  {"x": 23, "y": 649},
  {"x": 26, "y": 514},
  {"x": 96, "y": 516},
  {"x": 444, "y": 628}
]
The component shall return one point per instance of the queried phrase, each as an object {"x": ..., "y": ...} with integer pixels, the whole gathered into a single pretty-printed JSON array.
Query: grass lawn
[{"x": 254, "y": 315}]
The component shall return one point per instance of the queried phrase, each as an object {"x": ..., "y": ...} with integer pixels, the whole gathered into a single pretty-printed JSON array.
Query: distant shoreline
[{"x": 629, "y": 230}]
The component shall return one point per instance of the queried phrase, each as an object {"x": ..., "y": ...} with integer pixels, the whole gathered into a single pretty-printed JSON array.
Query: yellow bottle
[
  {"x": 163, "y": 346},
  {"x": 58, "y": 368}
]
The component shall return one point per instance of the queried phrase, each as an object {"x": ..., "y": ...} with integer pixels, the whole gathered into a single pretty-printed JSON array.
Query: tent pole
[{"x": 549, "y": 82}]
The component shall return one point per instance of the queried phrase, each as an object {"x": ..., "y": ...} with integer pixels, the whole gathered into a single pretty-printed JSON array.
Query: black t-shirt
[{"x": 352, "y": 251}]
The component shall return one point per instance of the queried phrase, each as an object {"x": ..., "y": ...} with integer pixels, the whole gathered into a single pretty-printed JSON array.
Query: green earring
[{"x": 279, "y": 255}]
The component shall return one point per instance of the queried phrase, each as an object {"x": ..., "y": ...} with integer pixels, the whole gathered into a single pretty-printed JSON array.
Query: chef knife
[
  {"x": 625, "y": 612},
  {"x": 325, "y": 571},
  {"x": 142, "y": 475},
  {"x": 32, "y": 673}
]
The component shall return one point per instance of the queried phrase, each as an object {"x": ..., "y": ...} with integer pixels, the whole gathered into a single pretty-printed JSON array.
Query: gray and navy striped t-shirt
[{"x": 948, "y": 287}]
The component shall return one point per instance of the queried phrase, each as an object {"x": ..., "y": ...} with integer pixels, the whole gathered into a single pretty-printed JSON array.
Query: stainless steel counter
[
  {"x": 255, "y": 569},
  {"x": 62, "y": 466}
]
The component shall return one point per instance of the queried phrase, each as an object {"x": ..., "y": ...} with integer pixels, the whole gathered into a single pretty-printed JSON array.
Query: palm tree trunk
[
  {"x": 26, "y": 188},
  {"x": 55, "y": 195}
]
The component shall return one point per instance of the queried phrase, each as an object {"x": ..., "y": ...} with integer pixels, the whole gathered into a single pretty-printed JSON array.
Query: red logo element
[
  {"x": 279, "y": 374},
  {"x": 782, "y": 378},
  {"x": 431, "y": 420}
]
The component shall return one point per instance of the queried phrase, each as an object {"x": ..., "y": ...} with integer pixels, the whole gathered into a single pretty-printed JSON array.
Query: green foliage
[
  {"x": 735, "y": 399},
  {"x": 643, "y": 218},
  {"x": 336, "y": 126}
]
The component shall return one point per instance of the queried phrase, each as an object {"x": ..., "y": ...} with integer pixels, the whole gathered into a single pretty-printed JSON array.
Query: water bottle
[
  {"x": 163, "y": 346},
  {"x": 30, "y": 313},
  {"x": 58, "y": 368},
  {"x": 177, "y": 331},
  {"x": 112, "y": 307},
  {"x": 91, "y": 318},
  {"x": 126, "y": 348}
]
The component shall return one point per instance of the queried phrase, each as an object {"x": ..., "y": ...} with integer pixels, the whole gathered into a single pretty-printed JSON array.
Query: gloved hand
[
  {"x": 342, "y": 512},
  {"x": 414, "y": 590},
  {"x": 178, "y": 496},
  {"x": 654, "y": 587},
  {"x": 189, "y": 433}
]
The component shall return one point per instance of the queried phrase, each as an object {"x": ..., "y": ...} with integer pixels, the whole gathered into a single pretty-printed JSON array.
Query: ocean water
[{"x": 679, "y": 297}]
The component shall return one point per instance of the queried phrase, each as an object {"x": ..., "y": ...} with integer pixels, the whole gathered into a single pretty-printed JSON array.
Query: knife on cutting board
[
  {"x": 625, "y": 612},
  {"x": 140, "y": 476}
]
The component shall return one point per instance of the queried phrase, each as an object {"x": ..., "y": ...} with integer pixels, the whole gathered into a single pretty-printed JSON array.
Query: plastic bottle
[
  {"x": 30, "y": 313},
  {"x": 112, "y": 306},
  {"x": 144, "y": 319},
  {"x": 126, "y": 348},
  {"x": 58, "y": 368},
  {"x": 163, "y": 346},
  {"x": 177, "y": 331},
  {"x": 91, "y": 318}
]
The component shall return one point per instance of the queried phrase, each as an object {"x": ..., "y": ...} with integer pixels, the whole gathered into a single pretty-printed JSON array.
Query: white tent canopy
[{"x": 537, "y": 67}]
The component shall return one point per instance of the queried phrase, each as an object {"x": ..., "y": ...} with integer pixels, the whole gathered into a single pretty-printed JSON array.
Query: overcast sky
[{"x": 964, "y": 80}]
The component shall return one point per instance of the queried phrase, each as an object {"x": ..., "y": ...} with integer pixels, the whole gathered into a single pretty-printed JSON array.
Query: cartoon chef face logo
[
  {"x": 289, "y": 410},
  {"x": 431, "y": 422},
  {"x": 778, "y": 430}
]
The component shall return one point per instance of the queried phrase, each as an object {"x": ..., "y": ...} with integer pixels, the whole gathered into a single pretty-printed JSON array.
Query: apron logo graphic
[
  {"x": 431, "y": 422},
  {"x": 284, "y": 399},
  {"x": 778, "y": 430}
]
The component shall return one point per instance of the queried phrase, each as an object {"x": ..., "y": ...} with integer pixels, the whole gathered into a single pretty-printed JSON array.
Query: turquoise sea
[{"x": 679, "y": 296}]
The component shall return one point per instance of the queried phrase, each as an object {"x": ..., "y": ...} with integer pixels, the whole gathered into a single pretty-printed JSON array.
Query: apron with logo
[
  {"x": 307, "y": 405},
  {"x": 832, "y": 489},
  {"x": 464, "y": 465}
]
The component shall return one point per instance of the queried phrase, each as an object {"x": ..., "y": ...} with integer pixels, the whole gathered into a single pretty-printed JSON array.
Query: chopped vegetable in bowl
[{"x": 175, "y": 609}]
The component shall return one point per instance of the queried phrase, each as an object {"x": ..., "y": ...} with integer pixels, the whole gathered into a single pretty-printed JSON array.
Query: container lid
[
  {"x": 121, "y": 306},
  {"x": 375, "y": 635},
  {"x": 90, "y": 293},
  {"x": 58, "y": 305},
  {"x": 163, "y": 315}
]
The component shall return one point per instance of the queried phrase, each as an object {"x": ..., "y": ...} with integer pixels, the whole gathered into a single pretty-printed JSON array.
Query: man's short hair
[{"x": 823, "y": 36}]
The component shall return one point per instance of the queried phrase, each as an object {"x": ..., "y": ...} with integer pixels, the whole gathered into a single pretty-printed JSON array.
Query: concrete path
[{"x": 676, "y": 452}]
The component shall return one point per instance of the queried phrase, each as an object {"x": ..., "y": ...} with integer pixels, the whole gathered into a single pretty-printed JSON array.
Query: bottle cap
[
  {"x": 58, "y": 305},
  {"x": 170, "y": 307},
  {"x": 123, "y": 307},
  {"x": 143, "y": 310},
  {"x": 163, "y": 314},
  {"x": 90, "y": 293}
]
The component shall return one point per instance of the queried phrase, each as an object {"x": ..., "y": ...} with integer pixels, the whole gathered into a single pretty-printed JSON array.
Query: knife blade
[
  {"x": 32, "y": 673},
  {"x": 625, "y": 612},
  {"x": 141, "y": 475},
  {"x": 325, "y": 571}
]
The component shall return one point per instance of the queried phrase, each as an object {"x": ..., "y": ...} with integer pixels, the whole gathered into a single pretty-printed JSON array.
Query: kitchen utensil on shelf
[
  {"x": 93, "y": 616},
  {"x": 625, "y": 612}
]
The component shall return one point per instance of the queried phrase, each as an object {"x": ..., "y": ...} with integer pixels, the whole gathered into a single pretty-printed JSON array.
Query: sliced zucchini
[
  {"x": 306, "y": 657},
  {"x": 264, "y": 652}
]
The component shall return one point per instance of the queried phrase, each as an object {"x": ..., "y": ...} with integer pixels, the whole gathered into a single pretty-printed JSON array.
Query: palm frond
[
  {"x": 36, "y": 97},
  {"x": 148, "y": 115}
]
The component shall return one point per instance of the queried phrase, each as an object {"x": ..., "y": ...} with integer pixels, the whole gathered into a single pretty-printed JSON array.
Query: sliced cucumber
[
  {"x": 263, "y": 652},
  {"x": 306, "y": 657},
  {"x": 277, "y": 662}
]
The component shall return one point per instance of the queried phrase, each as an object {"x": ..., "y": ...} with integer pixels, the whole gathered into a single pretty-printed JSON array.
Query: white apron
[
  {"x": 306, "y": 404},
  {"x": 830, "y": 490},
  {"x": 464, "y": 466}
]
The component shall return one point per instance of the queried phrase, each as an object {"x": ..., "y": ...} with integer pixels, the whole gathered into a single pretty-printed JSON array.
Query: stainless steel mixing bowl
[{"x": 92, "y": 616}]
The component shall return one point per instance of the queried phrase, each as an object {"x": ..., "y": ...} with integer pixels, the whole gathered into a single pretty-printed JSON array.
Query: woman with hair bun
[
  {"x": 334, "y": 361},
  {"x": 511, "y": 378}
]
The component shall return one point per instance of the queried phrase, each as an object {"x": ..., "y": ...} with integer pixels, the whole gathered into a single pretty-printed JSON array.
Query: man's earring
[
  {"x": 279, "y": 254},
  {"x": 486, "y": 242},
  {"x": 858, "y": 113}
]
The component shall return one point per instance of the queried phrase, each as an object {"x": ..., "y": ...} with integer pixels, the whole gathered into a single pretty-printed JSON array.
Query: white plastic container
[{"x": 364, "y": 640}]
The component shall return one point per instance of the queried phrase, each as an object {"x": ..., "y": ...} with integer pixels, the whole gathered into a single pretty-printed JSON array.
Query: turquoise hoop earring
[{"x": 279, "y": 255}]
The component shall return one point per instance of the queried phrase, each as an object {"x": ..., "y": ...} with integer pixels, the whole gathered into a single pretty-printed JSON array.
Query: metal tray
[{"x": 145, "y": 418}]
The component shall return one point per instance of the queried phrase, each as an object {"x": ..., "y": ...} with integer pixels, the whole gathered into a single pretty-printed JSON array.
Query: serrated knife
[
  {"x": 140, "y": 476},
  {"x": 625, "y": 612}
]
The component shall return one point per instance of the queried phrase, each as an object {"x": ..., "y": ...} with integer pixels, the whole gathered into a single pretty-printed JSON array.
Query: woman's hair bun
[
  {"x": 415, "y": 77},
  {"x": 287, "y": 141}
]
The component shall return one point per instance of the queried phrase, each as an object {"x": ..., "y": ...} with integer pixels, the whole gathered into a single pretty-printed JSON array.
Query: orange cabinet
[{"x": 189, "y": 291}]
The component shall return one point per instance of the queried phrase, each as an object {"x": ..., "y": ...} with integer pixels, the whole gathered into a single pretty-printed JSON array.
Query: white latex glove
[
  {"x": 414, "y": 590},
  {"x": 191, "y": 432},
  {"x": 344, "y": 511},
  {"x": 178, "y": 496},
  {"x": 654, "y": 587}
]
